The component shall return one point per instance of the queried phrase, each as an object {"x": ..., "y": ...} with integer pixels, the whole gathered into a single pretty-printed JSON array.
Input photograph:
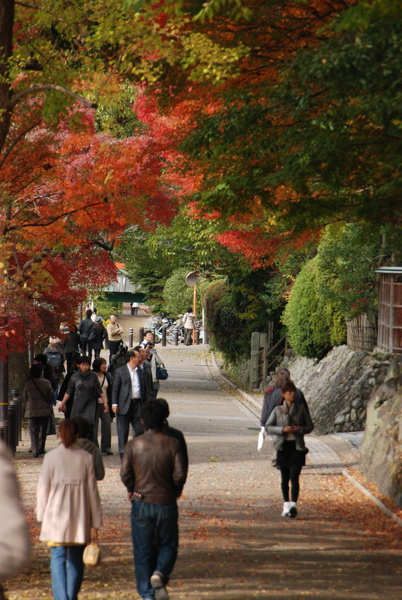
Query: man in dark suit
[
  {"x": 128, "y": 395},
  {"x": 146, "y": 369}
]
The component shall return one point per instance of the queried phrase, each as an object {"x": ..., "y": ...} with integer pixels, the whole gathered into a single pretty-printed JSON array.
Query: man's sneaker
[
  {"x": 292, "y": 510},
  {"x": 286, "y": 508},
  {"x": 158, "y": 584}
]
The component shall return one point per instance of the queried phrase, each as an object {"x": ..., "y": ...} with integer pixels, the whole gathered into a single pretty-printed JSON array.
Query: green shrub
[
  {"x": 177, "y": 295},
  {"x": 314, "y": 321}
]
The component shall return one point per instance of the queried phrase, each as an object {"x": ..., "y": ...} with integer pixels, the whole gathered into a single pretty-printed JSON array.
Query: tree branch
[{"x": 50, "y": 86}]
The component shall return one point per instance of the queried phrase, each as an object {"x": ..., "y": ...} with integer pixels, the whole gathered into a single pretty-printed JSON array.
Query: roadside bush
[
  {"x": 314, "y": 321},
  {"x": 177, "y": 296}
]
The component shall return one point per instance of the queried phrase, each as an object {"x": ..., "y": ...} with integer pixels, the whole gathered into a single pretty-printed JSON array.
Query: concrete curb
[
  {"x": 345, "y": 473},
  {"x": 373, "y": 499}
]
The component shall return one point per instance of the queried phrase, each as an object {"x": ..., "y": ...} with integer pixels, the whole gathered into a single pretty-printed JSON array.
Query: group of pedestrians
[{"x": 154, "y": 471}]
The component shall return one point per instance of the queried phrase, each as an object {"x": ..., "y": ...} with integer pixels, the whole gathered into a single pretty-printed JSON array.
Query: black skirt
[{"x": 288, "y": 456}]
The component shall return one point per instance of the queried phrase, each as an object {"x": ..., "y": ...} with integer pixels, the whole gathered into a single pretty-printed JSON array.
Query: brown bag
[{"x": 91, "y": 556}]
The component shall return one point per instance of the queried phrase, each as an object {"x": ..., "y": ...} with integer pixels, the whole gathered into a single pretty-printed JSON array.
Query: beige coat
[
  {"x": 68, "y": 502},
  {"x": 14, "y": 537},
  {"x": 114, "y": 332}
]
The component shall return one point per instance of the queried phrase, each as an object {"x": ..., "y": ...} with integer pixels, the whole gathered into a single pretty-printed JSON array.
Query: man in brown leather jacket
[{"x": 154, "y": 472}]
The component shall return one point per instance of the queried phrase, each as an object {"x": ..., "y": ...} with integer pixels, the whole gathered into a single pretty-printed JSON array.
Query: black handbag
[{"x": 161, "y": 372}]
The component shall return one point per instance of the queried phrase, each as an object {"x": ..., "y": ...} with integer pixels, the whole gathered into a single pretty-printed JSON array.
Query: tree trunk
[{"x": 6, "y": 48}]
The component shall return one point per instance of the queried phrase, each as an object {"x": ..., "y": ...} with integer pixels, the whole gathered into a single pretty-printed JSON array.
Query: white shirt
[{"x": 135, "y": 382}]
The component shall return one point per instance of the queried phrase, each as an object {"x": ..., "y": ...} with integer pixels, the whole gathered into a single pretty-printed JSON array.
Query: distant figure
[
  {"x": 85, "y": 329},
  {"x": 72, "y": 346},
  {"x": 189, "y": 326},
  {"x": 114, "y": 334},
  {"x": 147, "y": 374},
  {"x": 98, "y": 336},
  {"x": 14, "y": 536},
  {"x": 154, "y": 473},
  {"x": 118, "y": 360},
  {"x": 148, "y": 338},
  {"x": 153, "y": 359},
  {"x": 38, "y": 399},
  {"x": 55, "y": 358},
  {"x": 134, "y": 308},
  {"x": 68, "y": 505},
  {"x": 288, "y": 424},
  {"x": 105, "y": 381}
]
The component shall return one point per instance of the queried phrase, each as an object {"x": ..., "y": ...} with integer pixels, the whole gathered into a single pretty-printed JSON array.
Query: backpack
[{"x": 55, "y": 359}]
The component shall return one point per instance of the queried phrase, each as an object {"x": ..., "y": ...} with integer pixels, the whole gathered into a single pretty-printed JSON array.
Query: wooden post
[{"x": 255, "y": 350}]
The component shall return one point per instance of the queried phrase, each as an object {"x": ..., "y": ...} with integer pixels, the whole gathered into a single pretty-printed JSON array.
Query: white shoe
[
  {"x": 286, "y": 508},
  {"x": 292, "y": 510}
]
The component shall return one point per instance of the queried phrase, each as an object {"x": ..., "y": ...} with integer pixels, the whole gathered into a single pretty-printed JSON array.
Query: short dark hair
[
  {"x": 88, "y": 313},
  {"x": 41, "y": 358},
  {"x": 97, "y": 363},
  {"x": 153, "y": 415},
  {"x": 131, "y": 354},
  {"x": 288, "y": 386},
  {"x": 165, "y": 406},
  {"x": 83, "y": 427},
  {"x": 83, "y": 359},
  {"x": 36, "y": 371}
]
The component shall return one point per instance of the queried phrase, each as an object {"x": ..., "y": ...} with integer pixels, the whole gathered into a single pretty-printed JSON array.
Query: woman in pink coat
[{"x": 68, "y": 505}]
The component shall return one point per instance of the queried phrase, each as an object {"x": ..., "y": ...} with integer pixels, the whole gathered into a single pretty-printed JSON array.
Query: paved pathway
[{"x": 234, "y": 542}]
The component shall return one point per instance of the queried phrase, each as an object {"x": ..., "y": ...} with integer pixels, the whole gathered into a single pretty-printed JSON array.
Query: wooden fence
[{"x": 362, "y": 333}]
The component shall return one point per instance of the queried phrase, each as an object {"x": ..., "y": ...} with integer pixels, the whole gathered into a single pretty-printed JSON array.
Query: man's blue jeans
[
  {"x": 67, "y": 569},
  {"x": 155, "y": 535}
]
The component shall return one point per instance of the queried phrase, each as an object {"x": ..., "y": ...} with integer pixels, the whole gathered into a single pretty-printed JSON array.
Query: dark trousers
[
  {"x": 113, "y": 348},
  {"x": 37, "y": 432},
  {"x": 188, "y": 337},
  {"x": 155, "y": 541},
  {"x": 123, "y": 422},
  {"x": 106, "y": 428},
  {"x": 291, "y": 474}
]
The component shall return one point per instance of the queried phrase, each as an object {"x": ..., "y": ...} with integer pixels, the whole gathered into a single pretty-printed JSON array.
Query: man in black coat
[{"x": 128, "y": 395}]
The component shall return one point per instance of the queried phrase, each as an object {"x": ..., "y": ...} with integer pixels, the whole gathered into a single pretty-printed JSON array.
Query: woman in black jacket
[{"x": 105, "y": 382}]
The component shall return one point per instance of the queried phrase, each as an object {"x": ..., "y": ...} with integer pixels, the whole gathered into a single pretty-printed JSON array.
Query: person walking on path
[
  {"x": 14, "y": 536},
  {"x": 114, "y": 334},
  {"x": 189, "y": 326},
  {"x": 153, "y": 359},
  {"x": 105, "y": 381},
  {"x": 71, "y": 346},
  {"x": 271, "y": 400},
  {"x": 99, "y": 335},
  {"x": 147, "y": 374},
  {"x": 154, "y": 474},
  {"x": 84, "y": 385},
  {"x": 128, "y": 395},
  {"x": 55, "y": 358},
  {"x": 85, "y": 330},
  {"x": 288, "y": 424},
  {"x": 38, "y": 399},
  {"x": 68, "y": 506}
]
